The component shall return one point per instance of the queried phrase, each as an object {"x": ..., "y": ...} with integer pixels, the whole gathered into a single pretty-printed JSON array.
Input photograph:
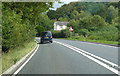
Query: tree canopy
[
  {"x": 19, "y": 20},
  {"x": 90, "y": 18}
]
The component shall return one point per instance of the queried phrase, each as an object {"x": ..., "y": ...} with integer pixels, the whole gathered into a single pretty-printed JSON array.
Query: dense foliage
[
  {"x": 19, "y": 21},
  {"x": 93, "y": 20},
  {"x": 22, "y": 21},
  {"x": 61, "y": 34}
]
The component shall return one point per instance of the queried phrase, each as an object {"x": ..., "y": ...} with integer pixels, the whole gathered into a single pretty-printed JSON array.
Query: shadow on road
[{"x": 44, "y": 43}]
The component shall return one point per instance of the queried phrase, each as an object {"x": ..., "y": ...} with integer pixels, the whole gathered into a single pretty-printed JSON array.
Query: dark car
[{"x": 46, "y": 36}]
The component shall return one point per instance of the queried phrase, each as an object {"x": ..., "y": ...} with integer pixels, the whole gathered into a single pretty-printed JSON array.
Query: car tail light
[{"x": 51, "y": 36}]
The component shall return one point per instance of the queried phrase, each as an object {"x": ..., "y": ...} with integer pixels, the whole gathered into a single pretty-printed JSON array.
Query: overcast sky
[{"x": 57, "y": 5}]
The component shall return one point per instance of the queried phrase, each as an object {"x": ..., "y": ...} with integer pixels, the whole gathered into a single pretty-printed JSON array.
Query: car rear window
[{"x": 46, "y": 33}]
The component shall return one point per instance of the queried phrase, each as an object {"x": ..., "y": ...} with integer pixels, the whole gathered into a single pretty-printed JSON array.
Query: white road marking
[
  {"x": 26, "y": 62},
  {"x": 93, "y": 57},
  {"x": 111, "y": 63},
  {"x": 98, "y": 44}
]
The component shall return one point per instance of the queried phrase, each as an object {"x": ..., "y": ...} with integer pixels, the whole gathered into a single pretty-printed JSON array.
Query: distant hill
[{"x": 93, "y": 8}]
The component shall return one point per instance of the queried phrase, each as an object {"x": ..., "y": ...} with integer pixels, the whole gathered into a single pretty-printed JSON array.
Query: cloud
[{"x": 58, "y": 5}]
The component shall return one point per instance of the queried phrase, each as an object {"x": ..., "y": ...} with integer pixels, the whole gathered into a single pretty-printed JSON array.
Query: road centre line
[
  {"x": 93, "y": 43},
  {"x": 93, "y": 57},
  {"x": 111, "y": 63}
]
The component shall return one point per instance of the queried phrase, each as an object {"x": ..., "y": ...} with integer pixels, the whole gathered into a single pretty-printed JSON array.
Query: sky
[{"x": 57, "y": 5}]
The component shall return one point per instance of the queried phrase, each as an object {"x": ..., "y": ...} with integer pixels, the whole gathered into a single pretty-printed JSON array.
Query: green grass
[
  {"x": 0, "y": 58},
  {"x": 85, "y": 39},
  {"x": 0, "y": 63},
  {"x": 14, "y": 55}
]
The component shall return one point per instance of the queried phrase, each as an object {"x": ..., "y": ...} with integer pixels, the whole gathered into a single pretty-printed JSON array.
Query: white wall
[
  {"x": 55, "y": 27},
  {"x": 59, "y": 27},
  {"x": 64, "y": 27}
]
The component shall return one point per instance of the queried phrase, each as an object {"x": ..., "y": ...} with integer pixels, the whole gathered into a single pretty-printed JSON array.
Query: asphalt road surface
[{"x": 63, "y": 57}]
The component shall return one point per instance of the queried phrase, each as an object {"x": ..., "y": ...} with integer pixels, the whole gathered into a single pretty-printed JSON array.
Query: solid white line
[
  {"x": 111, "y": 63},
  {"x": 99, "y": 44},
  {"x": 92, "y": 58},
  {"x": 26, "y": 61}
]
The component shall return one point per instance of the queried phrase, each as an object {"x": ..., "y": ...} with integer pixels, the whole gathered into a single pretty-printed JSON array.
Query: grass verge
[
  {"x": 8, "y": 59},
  {"x": 97, "y": 41},
  {"x": 0, "y": 63}
]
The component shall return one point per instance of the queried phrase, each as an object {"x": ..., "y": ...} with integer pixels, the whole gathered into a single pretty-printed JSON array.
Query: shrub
[
  {"x": 65, "y": 33},
  {"x": 109, "y": 33},
  {"x": 56, "y": 34},
  {"x": 61, "y": 34},
  {"x": 83, "y": 32}
]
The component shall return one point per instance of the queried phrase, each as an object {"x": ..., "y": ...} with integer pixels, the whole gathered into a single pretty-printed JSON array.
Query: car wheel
[
  {"x": 41, "y": 42},
  {"x": 51, "y": 41}
]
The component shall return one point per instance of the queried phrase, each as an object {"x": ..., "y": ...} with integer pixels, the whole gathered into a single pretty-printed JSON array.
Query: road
[{"x": 59, "y": 58}]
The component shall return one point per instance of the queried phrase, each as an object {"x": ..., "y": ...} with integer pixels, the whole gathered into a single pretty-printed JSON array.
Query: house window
[{"x": 60, "y": 26}]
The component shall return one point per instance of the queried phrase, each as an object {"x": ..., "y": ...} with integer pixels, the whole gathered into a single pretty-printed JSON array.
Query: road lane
[
  {"x": 105, "y": 51},
  {"x": 101, "y": 61},
  {"x": 57, "y": 59}
]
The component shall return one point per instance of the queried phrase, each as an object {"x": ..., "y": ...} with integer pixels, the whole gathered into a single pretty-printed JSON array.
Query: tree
[
  {"x": 51, "y": 14},
  {"x": 83, "y": 32},
  {"x": 84, "y": 14},
  {"x": 91, "y": 22},
  {"x": 74, "y": 24},
  {"x": 97, "y": 21},
  {"x": 111, "y": 14},
  {"x": 62, "y": 19},
  {"x": 39, "y": 29},
  {"x": 116, "y": 23},
  {"x": 75, "y": 15},
  {"x": 43, "y": 20},
  {"x": 19, "y": 22}
]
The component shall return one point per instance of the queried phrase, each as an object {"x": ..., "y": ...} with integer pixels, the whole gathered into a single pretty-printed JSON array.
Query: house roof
[{"x": 61, "y": 23}]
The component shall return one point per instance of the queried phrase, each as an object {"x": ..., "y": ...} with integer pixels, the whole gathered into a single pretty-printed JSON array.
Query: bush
[
  {"x": 108, "y": 33},
  {"x": 83, "y": 32},
  {"x": 65, "y": 33},
  {"x": 78, "y": 37},
  {"x": 61, "y": 34},
  {"x": 56, "y": 34}
]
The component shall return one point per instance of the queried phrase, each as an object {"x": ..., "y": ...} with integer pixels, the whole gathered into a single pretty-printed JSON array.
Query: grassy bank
[
  {"x": 8, "y": 59},
  {"x": 0, "y": 63},
  {"x": 85, "y": 39}
]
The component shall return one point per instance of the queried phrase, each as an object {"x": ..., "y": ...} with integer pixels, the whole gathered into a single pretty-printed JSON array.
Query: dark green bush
[
  {"x": 19, "y": 22},
  {"x": 108, "y": 33},
  {"x": 83, "y": 32},
  {"x": 39, "y": 29},
  {"x": 62, "y": 34},
  {"x": 55, "y": 34},
  {"x": 65, "y": 33}
]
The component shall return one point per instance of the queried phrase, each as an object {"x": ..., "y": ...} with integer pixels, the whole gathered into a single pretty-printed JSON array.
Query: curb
[{"x": 14, "y": 67}]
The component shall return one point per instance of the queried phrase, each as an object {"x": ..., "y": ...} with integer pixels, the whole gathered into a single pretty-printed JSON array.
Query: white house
[{"x": 60, "y": 25}]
